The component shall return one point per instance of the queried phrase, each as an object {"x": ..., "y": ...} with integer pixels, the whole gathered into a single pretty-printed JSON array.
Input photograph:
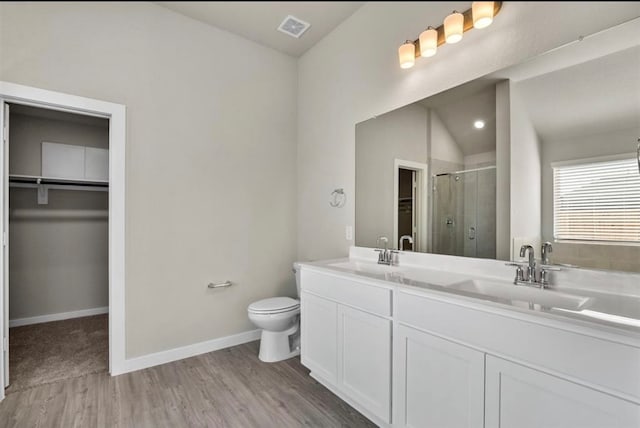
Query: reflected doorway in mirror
[{"x": 410, "y": 187}]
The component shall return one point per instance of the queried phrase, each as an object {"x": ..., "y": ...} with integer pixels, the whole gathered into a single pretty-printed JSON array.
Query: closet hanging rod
[
  {"x": 82, "y": 187},
  {"x": 32, "y": 214}
]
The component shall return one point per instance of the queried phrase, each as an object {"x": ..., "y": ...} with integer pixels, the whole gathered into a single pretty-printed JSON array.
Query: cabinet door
[
  {"x": 437, "y": 383},
  {"x": 364, "y": 355},
  {"x": 521, "y": 397},
  {"x": 319, "y": 336}
]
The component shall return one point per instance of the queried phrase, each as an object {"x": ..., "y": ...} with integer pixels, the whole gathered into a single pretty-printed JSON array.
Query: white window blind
[{"x": 597, "y": 201}]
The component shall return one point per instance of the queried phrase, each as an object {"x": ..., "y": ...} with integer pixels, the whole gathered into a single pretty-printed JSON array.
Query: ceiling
[
  {"x": 594, "y": 97},
  {"x": 258, "y": 21},
  {"x": 459, "y": 107}
]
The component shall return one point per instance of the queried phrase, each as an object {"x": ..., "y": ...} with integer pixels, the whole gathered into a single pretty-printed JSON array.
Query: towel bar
[{"x": 220, "y": 284}]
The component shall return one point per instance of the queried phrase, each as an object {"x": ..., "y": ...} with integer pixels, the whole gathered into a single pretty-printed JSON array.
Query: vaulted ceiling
[{"x": 258, "y": 21}]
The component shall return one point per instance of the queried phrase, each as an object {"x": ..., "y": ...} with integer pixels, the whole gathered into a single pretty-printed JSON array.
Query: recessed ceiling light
[
  {"x": 293, "y": 26},
  {"x": 478, "y": 124}
]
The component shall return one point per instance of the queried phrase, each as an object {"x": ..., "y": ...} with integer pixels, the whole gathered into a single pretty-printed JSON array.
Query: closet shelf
[{"x": 36, "y": 179}]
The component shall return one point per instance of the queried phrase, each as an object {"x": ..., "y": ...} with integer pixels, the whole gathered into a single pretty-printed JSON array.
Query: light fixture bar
[{"x": 468, "y": 25}]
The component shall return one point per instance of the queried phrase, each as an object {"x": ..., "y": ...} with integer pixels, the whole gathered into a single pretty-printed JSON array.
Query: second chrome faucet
[
  {"x": 403, "y": 238},
  {"x": 532, "y": 277}
]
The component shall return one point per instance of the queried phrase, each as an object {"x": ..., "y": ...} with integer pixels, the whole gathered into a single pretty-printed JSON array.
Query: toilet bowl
[{"x": 279, "y": 319}]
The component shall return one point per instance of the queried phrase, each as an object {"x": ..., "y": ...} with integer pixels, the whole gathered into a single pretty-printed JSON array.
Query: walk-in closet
[{"x": 58, "y": 222}]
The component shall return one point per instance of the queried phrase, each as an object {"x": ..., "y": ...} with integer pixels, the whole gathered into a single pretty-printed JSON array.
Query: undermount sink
[
  {"x": 542, "y": 297},
  {"x": 366, "y": 267}
]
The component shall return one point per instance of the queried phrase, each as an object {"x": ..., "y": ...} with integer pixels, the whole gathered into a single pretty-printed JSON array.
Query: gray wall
[
  {"x": 444, "y": 151},
  {"x": 617, "y": 257},
  {"x": 480, "y": 160},
  {"x": 29, "y": 131},
  {"x": 58, "y": 259},
  {"x": 202, "y": 106},
  {"x": 503, "y": 170},
  {"x": 526, "y": 176},
  {"x": 400, "y": 134},
  {"x": 412, "y": 133}
]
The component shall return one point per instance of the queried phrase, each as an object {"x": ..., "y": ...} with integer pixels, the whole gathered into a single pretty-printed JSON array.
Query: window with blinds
[{"x": 597, "y": 201}]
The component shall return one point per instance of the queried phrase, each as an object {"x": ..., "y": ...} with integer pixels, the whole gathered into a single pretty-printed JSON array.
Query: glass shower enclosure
[{"x": 464, "y": 213}]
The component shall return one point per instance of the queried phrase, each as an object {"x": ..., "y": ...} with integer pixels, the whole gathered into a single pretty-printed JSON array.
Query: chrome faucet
[
  {"x": 385, "y": 256},
  {"x": 531, "y": 269},
  {"x": 405, "y": 238},
  {"x": 546, "y": 249}
]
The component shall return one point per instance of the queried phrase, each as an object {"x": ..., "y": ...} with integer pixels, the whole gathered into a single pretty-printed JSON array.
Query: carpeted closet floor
[{"x": 53, "y": 351}]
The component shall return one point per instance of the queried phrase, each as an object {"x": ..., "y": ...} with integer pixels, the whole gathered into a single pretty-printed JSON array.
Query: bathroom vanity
[
  {"x": 440, "y": 340},
  {"x": 450, "y": 341}
]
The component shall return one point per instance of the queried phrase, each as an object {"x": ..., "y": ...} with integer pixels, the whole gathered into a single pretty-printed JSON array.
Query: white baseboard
[
  {"x": 57, "y": 317},
  {"x": 175, "y": 354}
]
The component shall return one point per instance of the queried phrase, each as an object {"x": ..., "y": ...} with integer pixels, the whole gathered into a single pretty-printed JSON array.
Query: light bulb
[
  {"x": 482, "y": 12},
  {"x": 453, "y": 27},
  {"x": 428, "y": 42},
  {"x": 478, "y": 124},
  {"x": 407, "y": 54}
]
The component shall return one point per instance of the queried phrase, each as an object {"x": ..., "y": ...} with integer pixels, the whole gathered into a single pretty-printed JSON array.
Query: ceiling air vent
[{"x": 293, "y": 26}]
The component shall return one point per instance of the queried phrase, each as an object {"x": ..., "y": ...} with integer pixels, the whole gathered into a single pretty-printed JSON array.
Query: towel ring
[{"x": 338, "y": 198}]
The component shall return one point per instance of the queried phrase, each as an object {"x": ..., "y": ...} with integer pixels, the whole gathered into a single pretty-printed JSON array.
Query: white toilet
[{"x": 279, "y": 319}]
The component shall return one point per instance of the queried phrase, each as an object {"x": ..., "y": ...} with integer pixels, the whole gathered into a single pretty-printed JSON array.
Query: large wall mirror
[{"x": 545, "y": 151}]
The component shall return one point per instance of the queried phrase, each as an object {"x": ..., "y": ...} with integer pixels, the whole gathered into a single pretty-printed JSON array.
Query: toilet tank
[{"x": 296, "y": 270}]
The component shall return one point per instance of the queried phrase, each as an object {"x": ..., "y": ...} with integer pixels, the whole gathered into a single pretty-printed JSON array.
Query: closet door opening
[
  {"x": 407, "y": 206},
  {"x": 56, "y": 258},
  {"x": 410, "y": 184}
]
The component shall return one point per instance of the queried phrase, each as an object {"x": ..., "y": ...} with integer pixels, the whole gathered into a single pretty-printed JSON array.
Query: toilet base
[{"x": 275, "y": 346}]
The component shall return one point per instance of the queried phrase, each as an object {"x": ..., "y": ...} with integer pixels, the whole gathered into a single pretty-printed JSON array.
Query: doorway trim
[
  {"x": 422, "y": 181},
  {"x": 116, "y": 113}
]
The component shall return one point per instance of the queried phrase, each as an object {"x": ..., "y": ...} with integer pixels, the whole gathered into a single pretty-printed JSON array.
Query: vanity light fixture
[
  {"x": 428, "y": 41},
  {"x": 478, "y": 124},
  {"x": 480, "y": 15},
  {"x": 453, "y": 27},
  {"x": 482, "y": 12},
  {"x": 407, "y": 54}
]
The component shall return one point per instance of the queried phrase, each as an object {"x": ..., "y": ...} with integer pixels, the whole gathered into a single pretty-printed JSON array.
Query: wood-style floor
[{"x": 227, "y": 388}]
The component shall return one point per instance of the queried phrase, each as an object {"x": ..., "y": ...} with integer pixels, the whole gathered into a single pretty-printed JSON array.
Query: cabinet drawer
[{"x": 368, "y": 297}]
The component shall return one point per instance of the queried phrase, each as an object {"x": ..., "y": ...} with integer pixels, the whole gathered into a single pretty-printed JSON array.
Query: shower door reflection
[{"x": 464, "y": 213}]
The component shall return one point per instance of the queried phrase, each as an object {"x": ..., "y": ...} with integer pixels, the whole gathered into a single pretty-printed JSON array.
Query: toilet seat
[{"x": 274, "y": 305}]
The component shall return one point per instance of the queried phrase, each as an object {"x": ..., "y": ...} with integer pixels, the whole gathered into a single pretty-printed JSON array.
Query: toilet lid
[{"x": 274, "y": 304}]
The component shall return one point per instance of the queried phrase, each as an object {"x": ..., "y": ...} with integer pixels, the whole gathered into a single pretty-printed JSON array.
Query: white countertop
[{"x": 612, "y": 309}]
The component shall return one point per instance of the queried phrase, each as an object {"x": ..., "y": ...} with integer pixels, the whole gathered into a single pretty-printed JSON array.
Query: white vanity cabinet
[
  {"x": 438, "y": 383},
  {"x": 448, "y": 361},
  {"x": 521, "y": 397},
  {"x": 346, "y": 340},
  {"x": 459, "y": 365}
]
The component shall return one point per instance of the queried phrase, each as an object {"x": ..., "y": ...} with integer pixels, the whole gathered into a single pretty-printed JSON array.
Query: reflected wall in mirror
[
  {"x": 554, "y": 160},
  {"x": 427, "y": 171}
]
